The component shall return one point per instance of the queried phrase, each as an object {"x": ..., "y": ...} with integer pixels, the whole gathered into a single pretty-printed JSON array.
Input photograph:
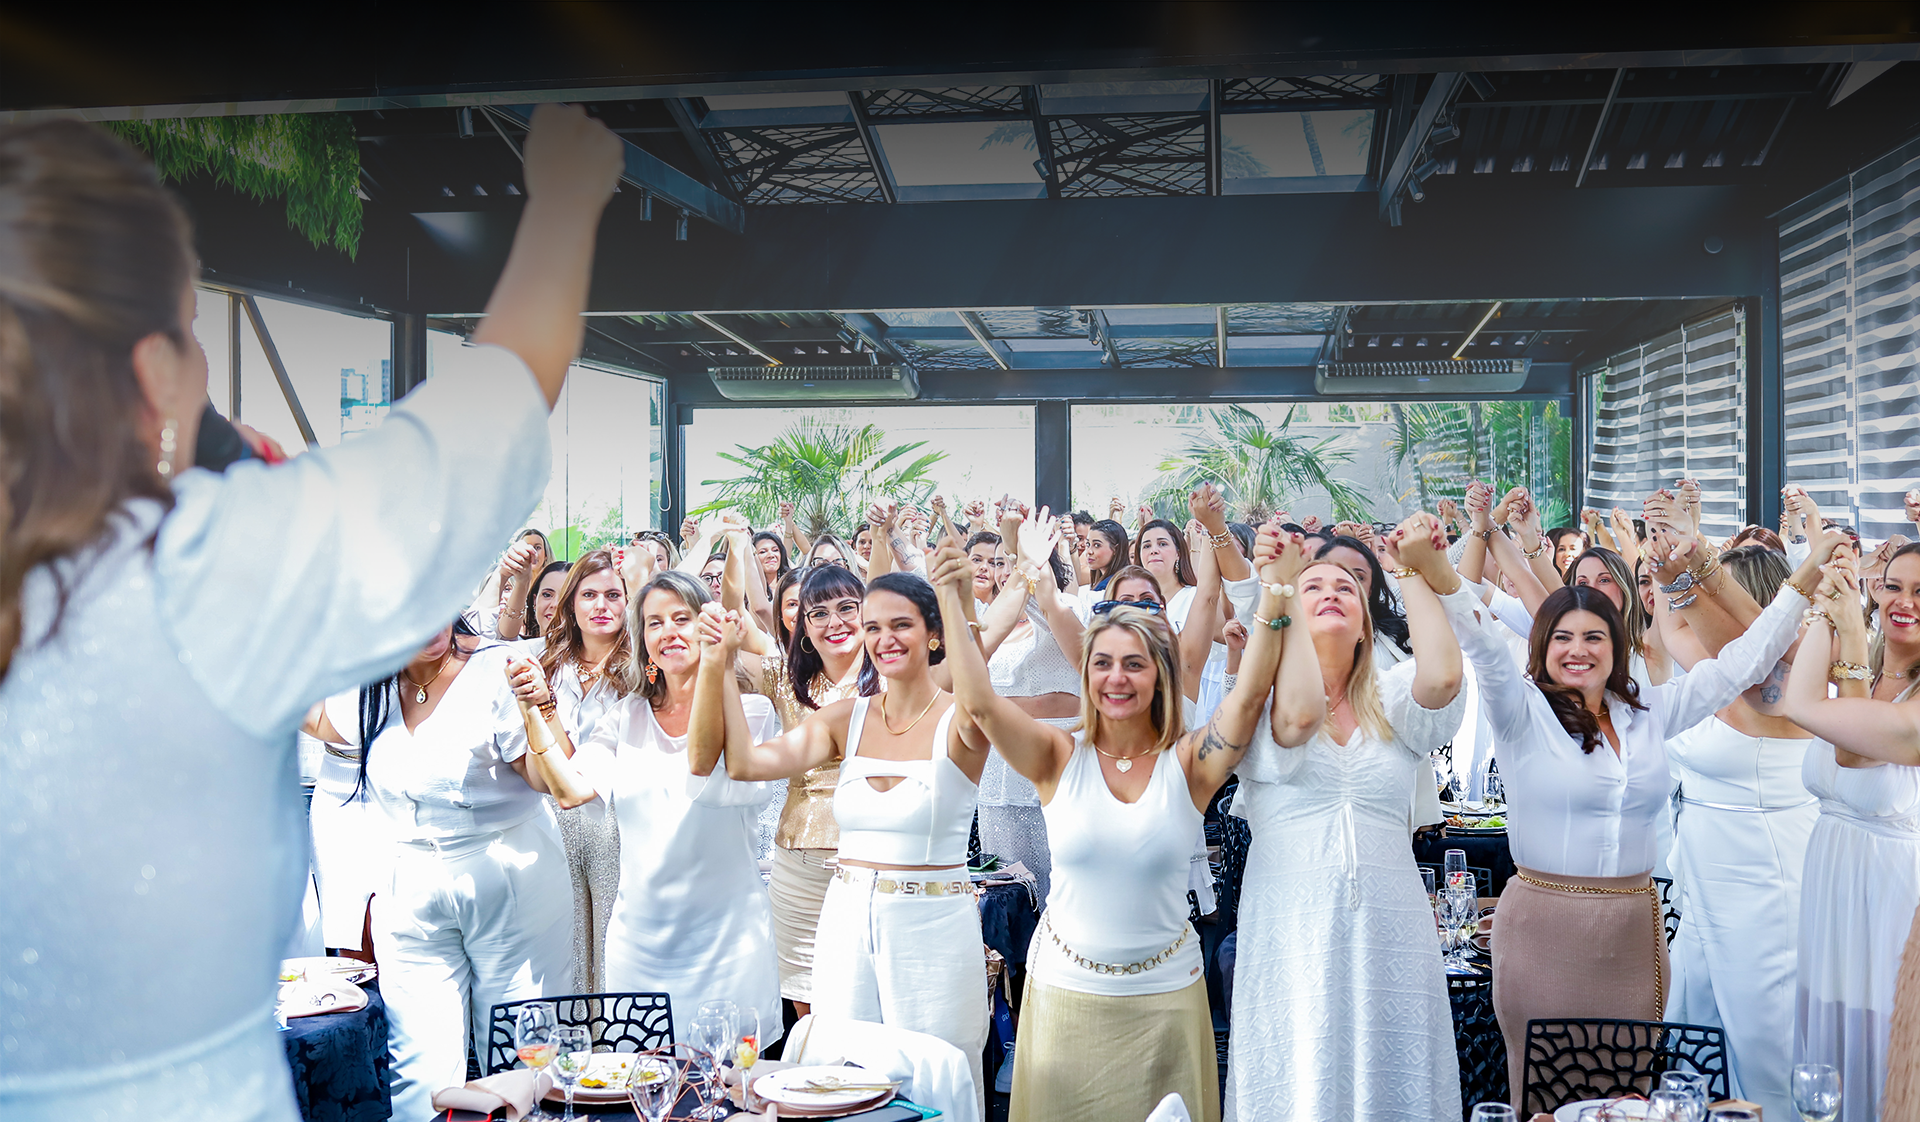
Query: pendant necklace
[
  {"x": 1122, "y": 763},
  {"x": 420, "y": 688}
]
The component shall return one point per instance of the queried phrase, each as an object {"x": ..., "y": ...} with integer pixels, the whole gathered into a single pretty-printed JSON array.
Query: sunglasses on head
[
  {"x": 1105, "y": 606},
  {"x": 820, "y": 561}
]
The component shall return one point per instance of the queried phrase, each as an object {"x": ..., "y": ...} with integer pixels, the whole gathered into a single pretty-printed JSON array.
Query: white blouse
[{"x": 1593, "y": 814}]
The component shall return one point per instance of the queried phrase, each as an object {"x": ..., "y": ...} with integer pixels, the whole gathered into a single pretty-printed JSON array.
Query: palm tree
[
  {"x": 1507, "y": 443},
  {"x": 830, "y": 473},
  {"x": 1261, "y": 470}
]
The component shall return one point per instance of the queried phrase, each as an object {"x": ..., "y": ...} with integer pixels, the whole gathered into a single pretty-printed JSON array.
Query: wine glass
[
  {"x": 1426, "y": 876},
  {"x": 1463, "y": 916},
  {"x": 1456, "y": 862},
  {"x": 746, "y": 1048},
  {"x": 573, "y": 1051},
  {"x": 1493, "y": 1112},
  {"x": 1670, "y": 1106},
  {"x": 533, "y": 1038},
  {"x": 654, "y": 1086},
  {"x": 1693, "y": 1085},
  {"x": 1816, "y": 1092},
  {"x": 713, "y": 1035}
]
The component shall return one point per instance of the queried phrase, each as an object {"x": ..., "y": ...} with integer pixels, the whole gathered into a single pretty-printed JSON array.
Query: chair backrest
[
  {"x": 1476, "y": 1036},
  {"x": 1570, "y": 1060},
  {"x": 1482, "y": 876},
  {"x": 615, "y": 1022},
  {"x": 1669, "y": 907}
]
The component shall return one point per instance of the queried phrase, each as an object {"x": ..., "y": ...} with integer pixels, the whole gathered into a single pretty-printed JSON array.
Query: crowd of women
[{"x": 561, "y": 787}]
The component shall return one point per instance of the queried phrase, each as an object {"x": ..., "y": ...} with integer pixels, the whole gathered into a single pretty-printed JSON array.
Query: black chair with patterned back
[
  {"x": 615, "y": 1022},
  {"x": 1669, "y": 907},
  {"x": 1572, "y": 1060},
  {"x": 1477, "y": 1040}
]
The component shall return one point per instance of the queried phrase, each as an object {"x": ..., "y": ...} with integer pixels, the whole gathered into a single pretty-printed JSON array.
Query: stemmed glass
[
  {"x": 1694, "y": 1086},
  {"x": 746, "y": 1048},
  {"x": 1462, "y": 916},
  {"x": 533, "y": 1040},
  {"x": 713, "y": 1034},
  {"x": 654, "y": 1086},
  {"x": 1456, "y": 862},
  {"x": 1816, "y": 1092},
  {"x": 1493, "y": 1112},
  {"x": 1670, "y": 1106},
  {"x": 573, "y": 1051}
]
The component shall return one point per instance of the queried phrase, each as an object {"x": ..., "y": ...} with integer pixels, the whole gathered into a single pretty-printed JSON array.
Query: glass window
[
  {"x": 608, "y": 461},
  {"x": 831, "y": 462},
  {"x": 1359, "y": 461},
  {"x": 340, "y": 367},
  {"x": 1326, "y": 150}
]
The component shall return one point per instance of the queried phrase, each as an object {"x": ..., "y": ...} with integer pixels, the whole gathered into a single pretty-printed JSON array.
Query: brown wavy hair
[
  {"x": 94, "y": 257},
  {"x": 565, "y": 641},
  {"x": 1568, "y": 705}
]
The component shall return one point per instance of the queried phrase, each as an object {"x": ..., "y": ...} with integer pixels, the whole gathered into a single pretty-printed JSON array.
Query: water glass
[
  {"x": 713, "y": 1035},
  {"x": 1426, "y": 876},
  {"x": 1816, "y": 1092},
  {"x": 1462, "y": 916},
  {"x": 1493, "y": 1112},
  {"x": 654, "y": 1086},
  {"x": 1693, "y": 1085},
  {"x": 573, "y": 1051}
]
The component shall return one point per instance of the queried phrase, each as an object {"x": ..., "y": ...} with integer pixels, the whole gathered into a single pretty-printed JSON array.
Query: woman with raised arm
[
  {"x": 119, "y": 564},
  {"x": 1161, "y": 549},
  {"x": 1340, "y": 1002},
  {"x": 899, "y": 935},
  {"x": 1862, "y": 881},
  {"x": 1114, "y": 960},
  {"x": 579, "y": 675},
  {"x": 1579, "y": 932}
]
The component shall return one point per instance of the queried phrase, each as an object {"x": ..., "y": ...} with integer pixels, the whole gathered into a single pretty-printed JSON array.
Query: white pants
[
  {"x": 469, "y": 923},
  {"x": 915, "y": 962}
]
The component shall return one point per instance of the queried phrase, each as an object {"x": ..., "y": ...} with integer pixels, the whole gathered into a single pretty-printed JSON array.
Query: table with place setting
[{"x": 334, "y": 1027}]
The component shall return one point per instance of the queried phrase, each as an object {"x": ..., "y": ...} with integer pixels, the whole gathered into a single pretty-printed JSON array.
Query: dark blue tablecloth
[
  {"x": 1486, "y": 851},
  {"x": 339, "y": 1063},
  {"x": 1007, "y": 921}
]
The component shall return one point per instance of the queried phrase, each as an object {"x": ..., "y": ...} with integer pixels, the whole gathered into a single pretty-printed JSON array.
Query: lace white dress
[{"x": 1340, "y": 1000}]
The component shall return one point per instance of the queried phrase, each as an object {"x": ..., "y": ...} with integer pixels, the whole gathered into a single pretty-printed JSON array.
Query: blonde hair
[
  {"x": 1154, "y": 634},
  {"x": 1363, "y": 684}
]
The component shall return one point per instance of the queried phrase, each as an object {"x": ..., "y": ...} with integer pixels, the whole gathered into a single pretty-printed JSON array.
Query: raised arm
[
  {"x": 571, "y": 164},
  {"x": 1195, "y": 640},
  {"x": 1210, "y": 509},
  {"x": 1859, "y": 728},
  {"x": 1037, "y": 751},
  {"x": 1538, "y": 551},
  {"x": 1419, "y": 551},
  {"x": 547, "y": 765},
  {"x": 719, "y": 722},
  {"x": 1518, "y": 566},
  {"x": 1480, "y": 528},
  {"x": 1038, "y": 538},
  {"x": 883, "y": 516}
]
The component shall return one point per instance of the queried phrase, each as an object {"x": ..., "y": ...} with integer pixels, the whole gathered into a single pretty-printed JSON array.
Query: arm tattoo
[{"x": 1213, "y": 742}]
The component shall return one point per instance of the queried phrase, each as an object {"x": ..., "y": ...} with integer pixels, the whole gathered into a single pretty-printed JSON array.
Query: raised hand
[
  {"x": 1839, "y": 594},
  {"x": 517, "y": 563},
  {"x": 1287, "y": 559},
  {"x": 949, "y": 567},
  {"x": 1450, "y": 515},
  {"x": 1480, "y": 505},
  {"x": 1234, "y": 635},
  {"x": 636, "y": 568},
  {"x": 1420, "y": 543},
  {"x": 1671, "y": 553},
  {"x": 1035, "y": 538},
  {"x": 1913, "y": 506},
  {"x": 1267, "y": 540},
  {"x": 1143, "y": 514},
  {"x": 1623, "y": 531},
  {"x": 1312, "y": 524},
  {"x": 882, "y": 513},
  {"x": 528, "y": 683},
  {"x": 1525, "y": 515},
  {"x": 1115, "y": 508},
  {"x": 570, "y": 158},
  {"x": 719, "y": 630},
  {"x": 689, "y": 531},
  {"x": 1690, "y": 499},
  {"x": 975, "y": 511}
]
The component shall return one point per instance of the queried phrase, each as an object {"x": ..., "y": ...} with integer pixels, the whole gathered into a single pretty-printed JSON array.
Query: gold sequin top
[{"x": 806, "y": 821}]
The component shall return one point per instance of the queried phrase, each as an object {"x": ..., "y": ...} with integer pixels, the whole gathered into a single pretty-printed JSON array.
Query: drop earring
[
  {"x": 169, "y": 443},
  {"x": 653, "y": 673}
]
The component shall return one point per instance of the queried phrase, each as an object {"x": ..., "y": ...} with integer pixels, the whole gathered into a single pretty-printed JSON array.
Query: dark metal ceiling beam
[
  {"x": 872, "y": 146},
  {"x": 1599, "y": 126},
  {"x": 987, "y": 342},
  {"x": 1439, "y": 95},
  {"x": 682, "y": 114},
  {"x": 648, "y": 172}
]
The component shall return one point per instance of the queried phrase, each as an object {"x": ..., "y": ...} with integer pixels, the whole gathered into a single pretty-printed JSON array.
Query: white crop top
[
  {"x": 1033, "y": 665},
  {"x": 923, "y": 821}
]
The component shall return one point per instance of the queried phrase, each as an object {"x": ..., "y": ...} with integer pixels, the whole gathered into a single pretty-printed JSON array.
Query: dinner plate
[
  {"x": 1475, "y": 831},
  {"x": 787, "y": 1087},
  {"x": 612, "y": 1067},
  {"x": 313, "y": 999},
  {"x": 1623, "y": 1109}
]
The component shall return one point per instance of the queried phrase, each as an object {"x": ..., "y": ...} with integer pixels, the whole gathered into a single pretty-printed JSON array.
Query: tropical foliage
[
  {"x": 312, "y": 160},
  {"x": 830, "y": 473},
  {"x": 1446, "y": 445},
  {"x": 1261, "y": 470}
]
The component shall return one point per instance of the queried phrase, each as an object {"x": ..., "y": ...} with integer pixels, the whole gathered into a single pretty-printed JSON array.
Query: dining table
[{"x": 339, "y": 1062}]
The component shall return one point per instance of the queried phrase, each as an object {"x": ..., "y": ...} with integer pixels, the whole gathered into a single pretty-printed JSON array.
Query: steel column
[
  {"x": 409, "y": 353},
  {"x": 1766, "y": 400},
  {"x": 1053, "y": 455},
  {"x": 234, "y": 364},
  {"x": 279, "y": 370}
]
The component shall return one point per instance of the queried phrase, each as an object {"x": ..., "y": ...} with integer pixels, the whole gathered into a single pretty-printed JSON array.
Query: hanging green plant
[{"x": 312, "y": 160}]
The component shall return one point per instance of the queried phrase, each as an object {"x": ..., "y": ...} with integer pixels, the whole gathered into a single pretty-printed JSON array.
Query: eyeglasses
[
  {"x": 848, "y": 611},
  {"x": 1105, "y": 606},
  {"x": 712, "y": 579}
]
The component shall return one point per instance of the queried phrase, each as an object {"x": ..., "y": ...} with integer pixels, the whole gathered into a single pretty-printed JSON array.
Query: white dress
[
  {"x": 1739, "y": 845},
  {"x": 1857, "y": 899},
  {"x": 1340, "y": 1000},
  {"x": 156, "y": 853},
  {"x": 692, "y": 917}
]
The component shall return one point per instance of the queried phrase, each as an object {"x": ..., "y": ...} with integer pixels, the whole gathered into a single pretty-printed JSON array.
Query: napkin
[
  {"x": 311, "y": 999},
  {"x": 517, "y": 1090}
]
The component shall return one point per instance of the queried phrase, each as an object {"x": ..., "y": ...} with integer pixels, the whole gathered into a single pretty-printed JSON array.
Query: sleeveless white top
[
  {"x": 922, "y": 821},
  {"x": 1119, "y": 891}
]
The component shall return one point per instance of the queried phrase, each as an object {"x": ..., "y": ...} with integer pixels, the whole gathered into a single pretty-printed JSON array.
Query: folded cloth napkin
[
  {"x": 517, "y": 1090},
  {"x": 310, "y": 999}
]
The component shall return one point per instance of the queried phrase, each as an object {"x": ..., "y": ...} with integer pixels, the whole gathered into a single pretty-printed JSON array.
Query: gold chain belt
[
  {"x": 1140, "y": 967},
  {"x": 900, "y": 887},
  {"x": 1659, "y": 926}
]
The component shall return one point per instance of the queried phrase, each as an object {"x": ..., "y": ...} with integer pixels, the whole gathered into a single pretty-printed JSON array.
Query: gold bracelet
[
  {"x": 1403, "y": 572},
  {"x": 1848, "y": 671},
  {"x": 1222, "y": 539},
  {"x": 1537, "y": 554},
  {"x": 1804, "y": 594},
  {"x": 1813, "y": 615}
]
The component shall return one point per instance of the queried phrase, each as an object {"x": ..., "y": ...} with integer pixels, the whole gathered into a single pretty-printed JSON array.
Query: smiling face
[
  {"x": 833, "y": 626},
  {"x": 546, "y": 598},
  {"x": 1899, "y": 598},
  {"x": 1571, "y": 546},
  {"x": 1134, "y": 590},
  {"x": 790, "y": 606},
  {"x": 1158, "y": 553},
  {"x": 1121, "y": 675},
  {"x": 1333, "y": 602},
  {"x": 1355, "y": 563},
  {"x": 895, "y": 633},
  {"x": 600, "y": 604},
  {"x": 670, "y": 631},
  {"x": 769, "y": 554},
  {"x": 1580, "y": 652},
  {"x": 989, "y": 570},
  {"x": 1594, "y": 573}
]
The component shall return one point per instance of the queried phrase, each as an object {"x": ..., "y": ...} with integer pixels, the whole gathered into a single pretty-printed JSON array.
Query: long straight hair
[
  {"x": 94, "y": 256},
  {"x": 380, "y": 700},
  {"x": 1182, "y": 565},
  {"x": 1363, "y": 681},
  {"x": 565, "y": 640},
  {"x": 1567, "y": 703},
  {"x": 1633, "y": 617},
  {"x": 824, "y": 584},
  {"x": 530, "y": 622}
]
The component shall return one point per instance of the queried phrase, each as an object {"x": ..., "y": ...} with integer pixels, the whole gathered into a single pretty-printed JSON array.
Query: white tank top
[
  {"x": 922, "y": 821},
  {"x": 1119, "y": 892}
]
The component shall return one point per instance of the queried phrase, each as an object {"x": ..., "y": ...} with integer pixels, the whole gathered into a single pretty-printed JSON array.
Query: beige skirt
[
  {"x": 798, "y": 888},
  {"x": 1086, "y": 1057},
  {"x": 1901, "y": 1101},
  {"x": 1560, "y": 954}
]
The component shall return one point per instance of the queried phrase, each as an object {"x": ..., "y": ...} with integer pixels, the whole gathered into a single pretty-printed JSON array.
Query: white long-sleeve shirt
[{"x": 1593, "y": 814}]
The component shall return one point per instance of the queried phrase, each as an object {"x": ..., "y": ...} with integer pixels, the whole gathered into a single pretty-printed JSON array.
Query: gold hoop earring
[{"x": 169, "y": 438}]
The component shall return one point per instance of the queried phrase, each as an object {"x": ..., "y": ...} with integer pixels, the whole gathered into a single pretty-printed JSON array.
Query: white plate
[
  {"x": 326, "y": 968},
  {"x": 784, "y": 1086},
  {"x": 609, "y": 1066},
  {"x": 1630, "y": 1108}
]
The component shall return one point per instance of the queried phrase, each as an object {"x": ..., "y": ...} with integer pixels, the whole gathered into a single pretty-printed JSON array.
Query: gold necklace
[
  {"x": 420, "y": 688},
  {"x": 590, "y": 674},
  {"x": 935, "y": 700},
  {"x": 1124, "y": 763}
]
